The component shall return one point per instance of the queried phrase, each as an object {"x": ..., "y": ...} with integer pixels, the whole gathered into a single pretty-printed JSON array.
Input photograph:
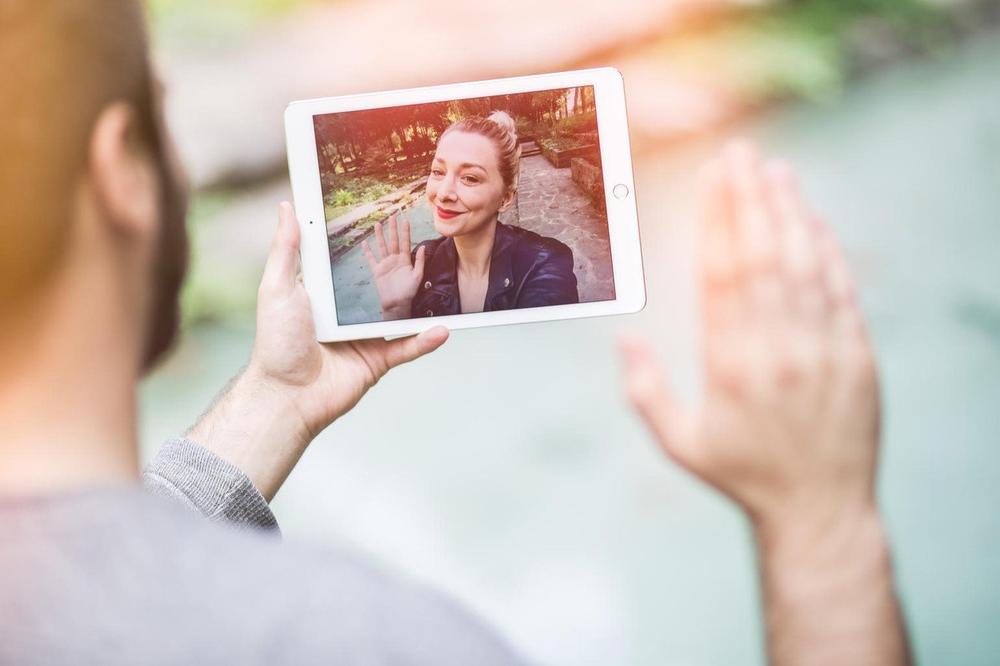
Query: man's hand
[
  {"x": 294, "y": 386},
  {"x": 789, "y": 423}
]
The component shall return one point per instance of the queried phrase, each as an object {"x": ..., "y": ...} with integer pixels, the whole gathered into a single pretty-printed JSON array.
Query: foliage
[
  {"x": 375, "y": 142},
  {"x": 341, "y": 198},
  {"x": 798, "y": 48},
  {"x": 565, "y": 142},
  {"x": 584, "y": 122},
  {"x": 248, "y": 9},
  {"x": 358, "y": 190},
  {"x": 214, "y": 290}
]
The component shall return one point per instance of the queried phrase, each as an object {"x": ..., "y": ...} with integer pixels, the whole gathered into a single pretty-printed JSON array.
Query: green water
[{"x": 507, "y": 469}]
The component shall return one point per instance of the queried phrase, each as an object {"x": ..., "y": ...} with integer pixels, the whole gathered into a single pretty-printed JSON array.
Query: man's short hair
[{"x": 63, "y": 61}]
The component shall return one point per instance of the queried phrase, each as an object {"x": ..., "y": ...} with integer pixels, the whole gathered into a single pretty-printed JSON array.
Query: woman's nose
[{"x": 447, "y": 189}]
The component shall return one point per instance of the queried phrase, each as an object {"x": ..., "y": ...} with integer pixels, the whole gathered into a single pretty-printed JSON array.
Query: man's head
[{"x": 85, "y": 161}]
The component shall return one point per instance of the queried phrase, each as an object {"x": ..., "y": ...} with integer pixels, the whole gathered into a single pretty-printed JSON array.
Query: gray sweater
[{"x": 126, "y": 575}]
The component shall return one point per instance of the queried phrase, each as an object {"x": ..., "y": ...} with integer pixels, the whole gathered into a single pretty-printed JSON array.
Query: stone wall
[{"x": 589, "y": 178}]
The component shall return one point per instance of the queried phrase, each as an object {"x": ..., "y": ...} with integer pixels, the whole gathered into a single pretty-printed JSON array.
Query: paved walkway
[{"x": 551, "y": 204}]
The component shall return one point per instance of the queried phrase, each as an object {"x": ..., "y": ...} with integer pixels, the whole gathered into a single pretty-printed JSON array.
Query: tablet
[{"x": 472, "y": 204}]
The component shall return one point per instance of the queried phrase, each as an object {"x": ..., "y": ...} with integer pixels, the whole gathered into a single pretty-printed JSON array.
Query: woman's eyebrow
[{"x": 463, "y": 164}]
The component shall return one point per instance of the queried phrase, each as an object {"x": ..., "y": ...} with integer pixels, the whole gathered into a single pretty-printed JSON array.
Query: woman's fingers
[
  {"x": 404, "y": 241},
  {"x": 393, "y": 235},
  {"x": 418, "y": 266},
  {"x": 380, "y": 239}
]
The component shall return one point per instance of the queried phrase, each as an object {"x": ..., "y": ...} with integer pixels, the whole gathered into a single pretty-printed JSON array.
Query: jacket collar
[
  {"x": 444, "y": 265},
  {"x": 501, "y": 264}
]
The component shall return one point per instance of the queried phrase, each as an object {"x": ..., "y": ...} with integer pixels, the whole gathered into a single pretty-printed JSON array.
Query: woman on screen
[{"x": 478, "y": 264}]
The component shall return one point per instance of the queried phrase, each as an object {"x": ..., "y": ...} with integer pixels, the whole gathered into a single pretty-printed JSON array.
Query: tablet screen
[{"x": 470, "y": 205}]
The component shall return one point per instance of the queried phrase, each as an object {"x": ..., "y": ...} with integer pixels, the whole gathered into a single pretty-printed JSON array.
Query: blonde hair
[{"x": 500, "y": 129}]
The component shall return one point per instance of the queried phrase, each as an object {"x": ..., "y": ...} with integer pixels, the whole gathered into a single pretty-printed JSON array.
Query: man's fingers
[
  {"x": 755, "y": 231},
  {"x": 393, "y": 235},
  {"x": 842, "y": 290},
  {"x": 845, "y": 311},
  {"x": 649, "y": 393},
  {"x": 721, "y": 299},
  {"x": 380, "y": 239},
  {"x": 405, "y": 350},
  {"x": 283, "y": 258},
  {"x": 802, "y": 256},
  {"x": 799, "y": 249},
  {"x": 715, "y": 228}
]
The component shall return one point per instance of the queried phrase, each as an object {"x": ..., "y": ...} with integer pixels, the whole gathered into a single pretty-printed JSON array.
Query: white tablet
[{"x": 472, "y": 204}]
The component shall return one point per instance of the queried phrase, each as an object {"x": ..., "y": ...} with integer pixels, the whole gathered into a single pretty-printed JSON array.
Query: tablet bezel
[{"x": 616, "y": 165}]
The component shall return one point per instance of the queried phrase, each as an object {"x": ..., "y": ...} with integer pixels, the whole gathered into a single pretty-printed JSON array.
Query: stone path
[{"x": 551, "y": 204}]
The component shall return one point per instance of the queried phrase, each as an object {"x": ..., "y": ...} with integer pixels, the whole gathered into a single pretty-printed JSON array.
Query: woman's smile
[{"x": 446, "y": 214}]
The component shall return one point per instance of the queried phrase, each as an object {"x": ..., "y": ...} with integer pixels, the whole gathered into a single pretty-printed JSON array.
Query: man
[{"x": 96, "y": 568}]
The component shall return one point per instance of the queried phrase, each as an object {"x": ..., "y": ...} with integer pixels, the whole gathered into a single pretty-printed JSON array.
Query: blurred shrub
[
  {"x": 185, "y": 21},
  {"x": 584, "y": 122},
  {"x": 160, "y": 9},
  {"x": 353, "y": 190},
  {"x": 802, "y": 48},
  {"x": 214, "y": 290},
  {"x": 342, "y": 198}
]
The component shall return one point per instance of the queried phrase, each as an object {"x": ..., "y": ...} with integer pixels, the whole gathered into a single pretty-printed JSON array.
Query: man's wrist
[
  {"x": 809, "y": 543},
  {"x": 256, "y": 426},
  {"x": 827, "y": 581}
]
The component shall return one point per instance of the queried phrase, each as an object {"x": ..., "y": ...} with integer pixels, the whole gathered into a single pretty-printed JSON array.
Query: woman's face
[{"x": 465, "y": 188}]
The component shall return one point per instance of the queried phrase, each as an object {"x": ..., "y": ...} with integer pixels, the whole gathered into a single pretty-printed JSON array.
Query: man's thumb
[
  {"x": 283, "y": 258},
  {"x": 652, "y": 397}
]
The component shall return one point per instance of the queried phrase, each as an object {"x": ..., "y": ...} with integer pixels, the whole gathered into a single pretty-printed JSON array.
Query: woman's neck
[{"x": 475, "y": 251}]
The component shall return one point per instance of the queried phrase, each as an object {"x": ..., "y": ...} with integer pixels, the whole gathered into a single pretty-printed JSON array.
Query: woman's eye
[
  {"x": 437, "y": 172},
  {"x": 470, "y": 180}
]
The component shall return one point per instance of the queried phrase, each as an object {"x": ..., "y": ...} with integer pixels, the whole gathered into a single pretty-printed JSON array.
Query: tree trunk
[{"x": 338, "y": 161}]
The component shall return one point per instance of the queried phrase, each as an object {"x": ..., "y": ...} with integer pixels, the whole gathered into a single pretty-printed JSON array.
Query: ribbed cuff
[{"x": 188, "y": 472}]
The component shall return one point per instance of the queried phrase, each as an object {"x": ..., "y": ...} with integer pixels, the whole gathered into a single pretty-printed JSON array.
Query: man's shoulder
[
  {"x": 327, "y": 600},
  {"x": 128, "y": 577}
]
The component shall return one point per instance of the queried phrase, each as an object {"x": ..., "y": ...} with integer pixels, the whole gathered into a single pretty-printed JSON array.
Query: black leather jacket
[{"x": 526, "y": 271}]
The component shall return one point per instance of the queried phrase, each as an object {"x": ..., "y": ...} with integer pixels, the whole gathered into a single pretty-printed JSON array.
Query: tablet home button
[{"x": 620, "y": 191}]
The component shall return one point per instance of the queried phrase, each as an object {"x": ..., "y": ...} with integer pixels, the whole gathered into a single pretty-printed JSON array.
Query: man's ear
[{"x": 122, "y": 174}]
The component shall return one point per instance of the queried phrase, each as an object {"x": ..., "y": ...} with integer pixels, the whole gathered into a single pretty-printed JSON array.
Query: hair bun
[{"x": 506, "y": 123}]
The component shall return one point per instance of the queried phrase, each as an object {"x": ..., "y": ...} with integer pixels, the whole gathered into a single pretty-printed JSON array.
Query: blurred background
[{"x": 506, "y": 468}]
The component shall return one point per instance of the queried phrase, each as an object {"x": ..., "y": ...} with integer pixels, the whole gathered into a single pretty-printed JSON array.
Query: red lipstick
[{"x": 445, "y": 214}]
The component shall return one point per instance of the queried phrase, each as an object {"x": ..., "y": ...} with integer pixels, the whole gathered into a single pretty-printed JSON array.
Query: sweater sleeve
[{"x": 186, "y": 472}]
